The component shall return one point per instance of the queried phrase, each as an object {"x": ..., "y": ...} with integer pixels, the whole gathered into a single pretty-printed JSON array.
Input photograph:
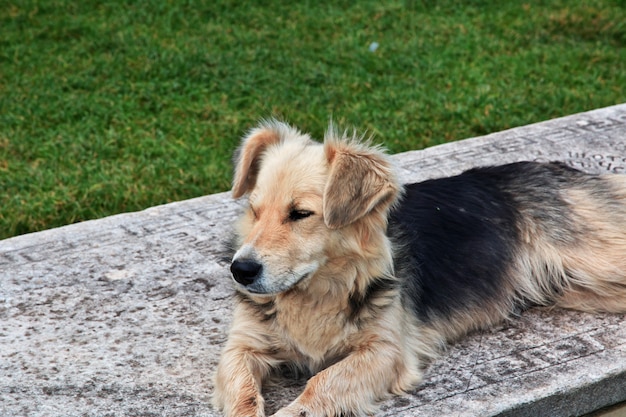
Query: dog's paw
[{"x": 295, "y": 410}]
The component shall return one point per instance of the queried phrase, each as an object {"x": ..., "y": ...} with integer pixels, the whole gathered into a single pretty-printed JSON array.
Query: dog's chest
[{"x": 313, "y": 330}]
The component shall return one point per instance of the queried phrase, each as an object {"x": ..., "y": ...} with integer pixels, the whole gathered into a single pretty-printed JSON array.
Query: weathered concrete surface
[{"x": 125, "y": 316}]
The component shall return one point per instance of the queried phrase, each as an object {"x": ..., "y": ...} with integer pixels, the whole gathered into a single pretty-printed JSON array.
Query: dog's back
[{"x": 473, "y": 248}]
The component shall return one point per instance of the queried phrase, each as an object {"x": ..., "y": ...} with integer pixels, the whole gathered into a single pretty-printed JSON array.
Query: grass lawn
[{"x": 111, "y": 106}]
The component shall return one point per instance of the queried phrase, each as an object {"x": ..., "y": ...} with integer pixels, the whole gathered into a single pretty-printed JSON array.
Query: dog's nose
[{"x": 245, "y": 272}]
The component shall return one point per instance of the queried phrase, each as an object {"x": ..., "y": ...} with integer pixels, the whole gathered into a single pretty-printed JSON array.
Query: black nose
[{"x": 246, "y": 272}]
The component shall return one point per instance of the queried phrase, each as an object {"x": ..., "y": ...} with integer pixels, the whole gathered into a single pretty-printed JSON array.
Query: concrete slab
[{"x": 126, "y": 316}]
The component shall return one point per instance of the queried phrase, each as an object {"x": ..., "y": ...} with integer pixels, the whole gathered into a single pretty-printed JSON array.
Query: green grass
[{"x": 111, "y": 106}]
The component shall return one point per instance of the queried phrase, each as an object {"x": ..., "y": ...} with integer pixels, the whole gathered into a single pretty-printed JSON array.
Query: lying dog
[{"x": 342, "y": 271}]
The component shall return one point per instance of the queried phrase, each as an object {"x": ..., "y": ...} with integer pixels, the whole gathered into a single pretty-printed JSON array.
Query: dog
[{"x": 342, "y": 271}]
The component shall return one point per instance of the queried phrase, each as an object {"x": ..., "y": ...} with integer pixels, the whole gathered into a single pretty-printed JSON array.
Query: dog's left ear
[
  {"x": 247, "y": 157},
  {"x": 361, "y": 180}
]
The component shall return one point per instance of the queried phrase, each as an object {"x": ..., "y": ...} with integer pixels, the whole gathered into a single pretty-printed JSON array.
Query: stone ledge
[{"x": 126, "y": 315}]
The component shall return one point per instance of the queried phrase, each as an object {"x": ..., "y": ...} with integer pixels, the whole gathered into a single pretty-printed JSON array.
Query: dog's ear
[
  {"x": 247, "y": 156},
  {"x": 360, "y": 180}
]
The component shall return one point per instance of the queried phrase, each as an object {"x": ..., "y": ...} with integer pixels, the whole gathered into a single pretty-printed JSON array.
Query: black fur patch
[
  {"x": 535, "y": 192},
  {"x": 361, "y": 303},
  {"x": 456, "y": 237}
]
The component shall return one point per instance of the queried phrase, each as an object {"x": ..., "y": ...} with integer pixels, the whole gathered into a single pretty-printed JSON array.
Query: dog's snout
[{"x": 245, "y": 272}]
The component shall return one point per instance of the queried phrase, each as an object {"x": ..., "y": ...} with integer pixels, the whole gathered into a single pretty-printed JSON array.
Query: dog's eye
[
  {"x": 295, "y": 215},
  {"x": 253, "y": 212}
]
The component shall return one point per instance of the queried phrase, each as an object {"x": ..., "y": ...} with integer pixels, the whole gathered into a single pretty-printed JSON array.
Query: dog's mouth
[{"x": 274, "y": 289}]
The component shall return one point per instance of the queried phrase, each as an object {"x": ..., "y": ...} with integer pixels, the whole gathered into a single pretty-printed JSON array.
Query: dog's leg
[
  {"x": 353, "y": 385},
  {"x": 246, "y": 360},
  {"x": 238, "y": 383}
]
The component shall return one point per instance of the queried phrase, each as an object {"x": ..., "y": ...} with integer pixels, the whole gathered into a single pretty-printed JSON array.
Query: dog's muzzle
[{"x": 246, "y": 272}]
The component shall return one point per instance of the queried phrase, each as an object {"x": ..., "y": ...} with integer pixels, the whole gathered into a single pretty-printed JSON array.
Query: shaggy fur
[{"x": 342, "y": 271}]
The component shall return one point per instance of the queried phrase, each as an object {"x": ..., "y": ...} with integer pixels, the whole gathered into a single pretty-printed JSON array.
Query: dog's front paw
[{"x": 296, "y": 410}]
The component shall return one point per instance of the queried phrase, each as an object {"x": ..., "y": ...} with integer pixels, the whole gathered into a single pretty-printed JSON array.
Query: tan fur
[
  {"x": 312, "y": 267},
  {"x": 592, "y": 265},
  {"x": 359, "y": 179},
  {"x": 598, "y": 266}
]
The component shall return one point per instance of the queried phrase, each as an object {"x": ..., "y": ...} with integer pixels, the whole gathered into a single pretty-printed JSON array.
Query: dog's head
[{"x": 304, "y": 198}]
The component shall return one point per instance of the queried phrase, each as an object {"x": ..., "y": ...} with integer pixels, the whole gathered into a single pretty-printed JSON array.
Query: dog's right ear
[
  {"x": 247, "y": 157},
  {"x": 360, "y": 181}
]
